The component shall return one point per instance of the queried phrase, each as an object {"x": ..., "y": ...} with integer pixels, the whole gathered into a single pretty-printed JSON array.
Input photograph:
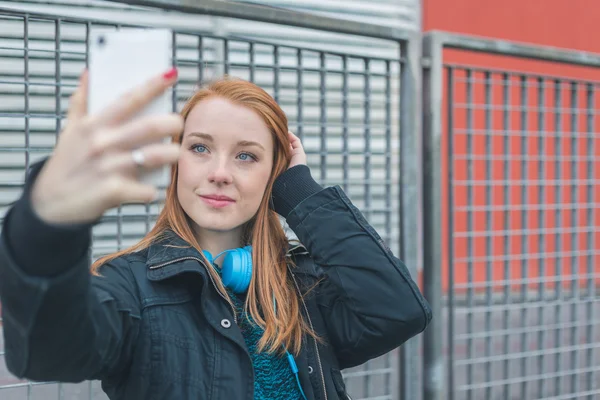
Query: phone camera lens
[{"x": 101, "y": 41}]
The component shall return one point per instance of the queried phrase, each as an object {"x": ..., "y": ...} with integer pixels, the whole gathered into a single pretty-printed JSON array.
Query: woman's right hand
[{"x": 92, "y": 168}]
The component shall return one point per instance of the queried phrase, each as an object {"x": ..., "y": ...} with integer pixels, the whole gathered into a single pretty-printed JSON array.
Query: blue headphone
[
  {"x": 236, "y": 273},
  {"x": 236, "y": 270}
]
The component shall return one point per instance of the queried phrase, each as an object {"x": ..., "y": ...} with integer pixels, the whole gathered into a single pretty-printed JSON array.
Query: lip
[{"x": 217, "y": 201}]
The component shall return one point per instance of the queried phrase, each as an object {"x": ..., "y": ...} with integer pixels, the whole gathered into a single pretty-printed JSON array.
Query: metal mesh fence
[
  {"x": 524, "y": 233},
  {"x": 344, "y": 107}
]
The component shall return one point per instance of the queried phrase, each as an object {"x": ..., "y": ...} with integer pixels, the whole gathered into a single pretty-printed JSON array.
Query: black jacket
[{"x": 153, "y": 326}]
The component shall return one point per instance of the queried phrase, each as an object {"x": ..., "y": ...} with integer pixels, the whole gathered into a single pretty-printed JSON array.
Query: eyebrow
[{"x": 209, "y": 138}]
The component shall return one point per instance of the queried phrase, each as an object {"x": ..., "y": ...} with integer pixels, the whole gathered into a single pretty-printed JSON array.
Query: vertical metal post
[
  {"x": 388, "y": 184},
  {"x": 27, "y": 122},
  {"x": 57, "y": 75},
  {"x": 470, "y": 230},
  {"x": 276, "y": 70},
  {"x": 541, "y": 95},
  {"x": 174, "y": 64},
  {"x": 252, "y": 55},
  {"x": 367, "y": 141},
  {"x": 506, "y": 224},
  {"x": 524, "y": 237},
  {"x": 26, "y": 92},
  {"x": 489, "y": 228},
  {"x": 574, "y": 200},
  {"x": 410, "y": 193},
  {"x": 367, "y": 182},
  {"x": 433, "y": 380},
  {"x": 558, "y": 223},
  {"x": 590, "y": 218},
  {"x": 300, "y": 84},
  {"x": 58, "y": 109},
  {"x": 225, "y": 56},
  {"x": 451, "y": 275},
  {"x": 201, "y": 59},
  {"x": 323, "y": 118},
  {"x": 345, "y": 165}
]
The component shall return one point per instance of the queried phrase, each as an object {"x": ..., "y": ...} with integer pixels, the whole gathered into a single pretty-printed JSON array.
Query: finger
[
  {"x": 138, "y": 133},
  {"x": 294, "y": 141},
  {"x": 135, "y": 100},
  {"x": 78, "y": 102},
  {"x": 154, "y": 156}
]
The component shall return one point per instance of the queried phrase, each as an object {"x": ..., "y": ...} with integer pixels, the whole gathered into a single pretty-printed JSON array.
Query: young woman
[{"x": 214, "y": 303}]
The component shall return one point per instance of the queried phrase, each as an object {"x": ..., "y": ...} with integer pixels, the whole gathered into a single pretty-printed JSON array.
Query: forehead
[{"x": 223, "y": 119}]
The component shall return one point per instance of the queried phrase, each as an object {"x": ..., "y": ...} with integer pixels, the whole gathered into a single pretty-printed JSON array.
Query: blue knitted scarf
[{"x": 273, "y": 377}]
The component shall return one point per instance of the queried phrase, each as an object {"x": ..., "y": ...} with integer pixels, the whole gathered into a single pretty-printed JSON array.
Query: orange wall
[{"x": 572, "y": 24}]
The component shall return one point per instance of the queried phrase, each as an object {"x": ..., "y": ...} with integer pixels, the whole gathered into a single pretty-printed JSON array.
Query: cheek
[{"x": 254, "y": 186}]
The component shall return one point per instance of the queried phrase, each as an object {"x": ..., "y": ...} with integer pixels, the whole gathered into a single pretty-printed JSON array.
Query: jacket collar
[
  {"x": 173, "y": 256},
  {"x": 168, "y": 249}
]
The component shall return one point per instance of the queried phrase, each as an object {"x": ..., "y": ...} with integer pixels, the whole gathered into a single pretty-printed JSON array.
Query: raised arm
[
  {"x": 370, "y": 303},
  {"x": 59, "y": 322}
]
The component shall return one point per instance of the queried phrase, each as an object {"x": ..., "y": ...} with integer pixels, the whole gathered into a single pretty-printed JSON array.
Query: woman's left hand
[{"x": 298, "y": 154}]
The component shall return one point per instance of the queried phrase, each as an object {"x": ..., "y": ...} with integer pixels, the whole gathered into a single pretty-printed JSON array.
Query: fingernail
[{"x": 170, "y": 74}]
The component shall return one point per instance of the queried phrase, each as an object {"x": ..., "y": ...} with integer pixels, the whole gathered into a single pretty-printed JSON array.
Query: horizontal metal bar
[
  {"x": 524, "y": 158},
  {"x": 520, "y": 330},
  {"x": 292, "y": 68},
  {"x": 274, "y": 15},
  {"x": 358, "y": 374},
  {"x": 543, "y": 280},
  {"x": 515, "y": 49},
  {"x": 529, "y": 256},
  {"x": 531, "y": 207},
  {"x": 530, "y": 378},
  {"x": 526, "y": 354},
  {"x": 532, "y": 81},
  {"x": 525, "y": 182},
  {"x": 23, "y": 384},
  {"x": 513, "y": 232},
  {"x": 577, "y": 395},
  {"x": 524, "y": 305},
  {"x": 520, "y": 134},
  {"x": 497, "y": 107}
]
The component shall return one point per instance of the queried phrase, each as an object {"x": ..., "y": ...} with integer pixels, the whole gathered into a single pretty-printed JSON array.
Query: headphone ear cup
[{"x": 236, "y": 271}]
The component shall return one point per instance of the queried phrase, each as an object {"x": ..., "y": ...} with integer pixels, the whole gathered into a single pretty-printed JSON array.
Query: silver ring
[{"x": 138, "y": 157}]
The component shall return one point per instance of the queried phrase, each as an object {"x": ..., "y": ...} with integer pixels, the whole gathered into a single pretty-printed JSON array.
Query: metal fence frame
[
  {"x": 421, "y": 165},
  {"x": 410, "y": 192},
  {"x": 437, "y": 369}
]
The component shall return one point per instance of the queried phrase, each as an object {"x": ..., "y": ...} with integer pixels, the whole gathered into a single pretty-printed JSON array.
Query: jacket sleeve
[
  {"x": 369, "y": 302},
  {"x": 60, "y": 322}
]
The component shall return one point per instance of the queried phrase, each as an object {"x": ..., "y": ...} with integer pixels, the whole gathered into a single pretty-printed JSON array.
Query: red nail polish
[{"x": 170, "y": 74}]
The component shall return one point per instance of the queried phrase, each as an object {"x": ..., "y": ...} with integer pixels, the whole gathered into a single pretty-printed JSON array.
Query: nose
[{"x": 219, "y": 172}]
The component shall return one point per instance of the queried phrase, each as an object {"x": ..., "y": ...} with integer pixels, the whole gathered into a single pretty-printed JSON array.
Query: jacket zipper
[
  {"x": 209, "y": 274},
  {"x": 313, "y": 329}
]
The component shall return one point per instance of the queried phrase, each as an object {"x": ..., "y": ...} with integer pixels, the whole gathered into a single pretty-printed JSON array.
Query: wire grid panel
[
  {"x": 345, "y": 108},
  {"x": 525, "y": 234}
]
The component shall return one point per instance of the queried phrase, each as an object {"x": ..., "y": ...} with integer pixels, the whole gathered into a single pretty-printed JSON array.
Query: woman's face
[{"x": 225, "y": 164}]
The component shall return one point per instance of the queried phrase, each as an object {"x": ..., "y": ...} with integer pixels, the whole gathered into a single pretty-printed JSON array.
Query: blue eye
[
  {"x": 246, "y": 157},
  {"x": 199, "y": 148}
]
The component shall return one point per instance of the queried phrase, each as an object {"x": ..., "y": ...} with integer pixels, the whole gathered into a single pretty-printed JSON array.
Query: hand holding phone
[
  {"x": 120, "y": 114},
  {"x": 123, "y": 59}
]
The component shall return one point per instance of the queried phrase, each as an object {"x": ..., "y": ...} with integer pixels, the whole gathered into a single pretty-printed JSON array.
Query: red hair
[{"x": 270, "y": 279}]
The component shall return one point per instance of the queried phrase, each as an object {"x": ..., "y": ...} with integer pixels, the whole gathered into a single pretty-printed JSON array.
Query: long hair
[{"x": 270, "y": 279}]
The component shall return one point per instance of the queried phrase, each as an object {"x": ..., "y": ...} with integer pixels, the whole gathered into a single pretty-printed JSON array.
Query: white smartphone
[{"x": 120, "y": 60}]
